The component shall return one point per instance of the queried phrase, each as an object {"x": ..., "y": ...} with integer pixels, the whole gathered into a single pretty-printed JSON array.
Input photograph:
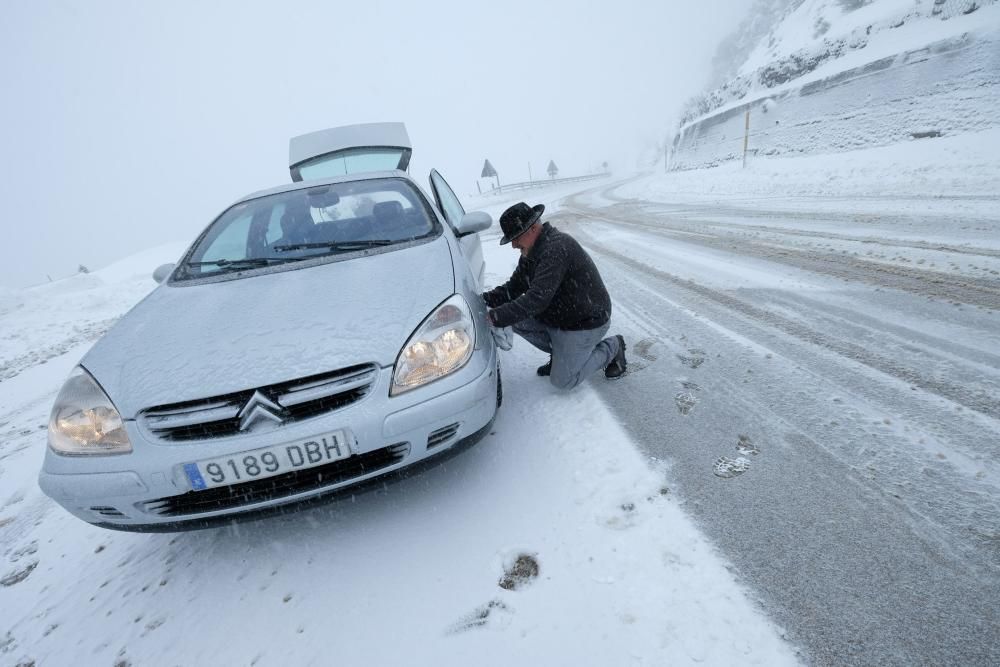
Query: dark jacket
[{"x": 557, "y": 284}]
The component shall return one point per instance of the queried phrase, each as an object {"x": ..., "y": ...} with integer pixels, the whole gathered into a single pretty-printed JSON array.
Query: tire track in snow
[
  {"x": 979, "y": 401},
  {"x": 934, "y": 284}
]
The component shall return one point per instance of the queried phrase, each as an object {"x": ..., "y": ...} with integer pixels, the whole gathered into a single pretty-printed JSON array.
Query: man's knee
[
  {"x": 538, "y": 337},
  {"x": 564, "y": 381}
]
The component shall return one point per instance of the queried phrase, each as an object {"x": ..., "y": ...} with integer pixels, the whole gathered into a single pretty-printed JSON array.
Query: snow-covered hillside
[
  {"x": 838, "y": 76},
  {"x": 810, "y": 39}
]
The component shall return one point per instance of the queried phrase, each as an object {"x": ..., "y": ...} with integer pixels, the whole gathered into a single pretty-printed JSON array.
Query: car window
[
  {"x": 311, "y": 222},
  {"x": 274, "y": 225},
  {"x": 231, "y": 243},
  {"x": 352, "y": 161},
  {"x": 448, "y": 202}
]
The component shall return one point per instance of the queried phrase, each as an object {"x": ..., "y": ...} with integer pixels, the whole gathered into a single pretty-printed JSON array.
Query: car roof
[{"x": 304, "y": 185}]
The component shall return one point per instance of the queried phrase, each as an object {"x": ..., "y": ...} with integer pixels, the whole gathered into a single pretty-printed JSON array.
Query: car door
[{"x": 449, "y": 204}]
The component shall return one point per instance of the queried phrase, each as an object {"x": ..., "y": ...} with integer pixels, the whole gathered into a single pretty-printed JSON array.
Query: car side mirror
[
  {"x": 472, "y": 222},
  {"x": 162, "y": 271}
]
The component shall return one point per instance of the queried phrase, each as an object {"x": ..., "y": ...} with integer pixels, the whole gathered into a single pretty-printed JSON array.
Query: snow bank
[
  {"x": 142, "y": 264},
  {"x": 42, "y": 322},
  {"x": 963, "y": 165}
]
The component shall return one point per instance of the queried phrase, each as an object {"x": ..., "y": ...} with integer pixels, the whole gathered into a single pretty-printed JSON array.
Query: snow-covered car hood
[{"x": 189, "y": 342}]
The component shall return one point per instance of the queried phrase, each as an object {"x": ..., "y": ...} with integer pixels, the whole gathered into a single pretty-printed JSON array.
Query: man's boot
[
  {"x": 618, "y": 365},
  {"x": 545, "y": 370}
]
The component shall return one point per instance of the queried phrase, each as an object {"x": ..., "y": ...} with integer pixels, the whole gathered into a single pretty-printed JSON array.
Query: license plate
[{"x": 267, "y": 461}]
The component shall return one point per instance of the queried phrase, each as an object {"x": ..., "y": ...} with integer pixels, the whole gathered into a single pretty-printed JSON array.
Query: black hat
[{"x": 517, "y": 219}]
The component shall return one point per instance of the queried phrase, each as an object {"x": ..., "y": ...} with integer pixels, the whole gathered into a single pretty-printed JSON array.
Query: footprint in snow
[
  {"x": 625, "y": 518},
  {"x": 727, "y": 468},
  {"x": 519, "y": 573},
  {"x": 693, "y": 359},
  {"x": 153, "y": 625},
  {"x": 27, "y": 550},
  {"x": 745, "y": 445},
  {"x": 685, "y": 401},
  {"x": 634, "y": 367},
  {"x": 18, "y": 575},
  {"x": 641, "y": 348},
  {"x": 494, "y": 611}
]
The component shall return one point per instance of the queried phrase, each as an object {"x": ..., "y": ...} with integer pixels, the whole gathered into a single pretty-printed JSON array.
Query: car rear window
[
  {"x": 352, "y": 161},
  {"x": 317, "y": 221}
]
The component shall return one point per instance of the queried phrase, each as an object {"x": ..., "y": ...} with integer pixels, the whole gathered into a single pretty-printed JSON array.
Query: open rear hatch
[{"x": 351, "y": 149}]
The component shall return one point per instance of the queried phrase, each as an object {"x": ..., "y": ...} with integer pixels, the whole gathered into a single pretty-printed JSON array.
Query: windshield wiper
[
  {"x": 345, "y": 246},
  {"x": 249, "y": 263}
]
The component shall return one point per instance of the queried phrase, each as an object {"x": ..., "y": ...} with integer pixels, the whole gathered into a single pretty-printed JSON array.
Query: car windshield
[{"x": 311, "y": 222}]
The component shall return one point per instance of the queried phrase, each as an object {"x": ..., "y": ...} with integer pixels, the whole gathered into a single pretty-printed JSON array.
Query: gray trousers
[{"x": 575, "y": 354}]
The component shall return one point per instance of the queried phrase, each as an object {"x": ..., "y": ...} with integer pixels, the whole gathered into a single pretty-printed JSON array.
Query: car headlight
[
  {"x": 84, "y": 421},
  {"x": 440, "y": 346}
]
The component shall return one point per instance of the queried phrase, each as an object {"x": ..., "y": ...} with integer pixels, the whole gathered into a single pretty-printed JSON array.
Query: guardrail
[{"x": 525, "y": 185}]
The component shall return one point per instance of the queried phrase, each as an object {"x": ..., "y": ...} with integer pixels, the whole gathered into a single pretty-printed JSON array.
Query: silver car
[{"x": 316, "y": 336}]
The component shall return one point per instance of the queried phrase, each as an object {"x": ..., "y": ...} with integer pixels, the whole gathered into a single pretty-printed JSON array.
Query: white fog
[{"x": 119, "y": 114}]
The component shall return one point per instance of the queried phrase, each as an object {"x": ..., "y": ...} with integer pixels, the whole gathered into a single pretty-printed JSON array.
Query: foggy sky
[{"x": 128, "y": 124}]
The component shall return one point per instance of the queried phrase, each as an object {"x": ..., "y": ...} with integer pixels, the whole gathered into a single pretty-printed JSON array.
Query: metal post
[
  {"x": 746, "y": 138},
  {"x": 529, "y": 172}
]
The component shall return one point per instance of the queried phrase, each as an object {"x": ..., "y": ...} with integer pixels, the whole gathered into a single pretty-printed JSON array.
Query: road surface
[{"x": 825, "y": 389}]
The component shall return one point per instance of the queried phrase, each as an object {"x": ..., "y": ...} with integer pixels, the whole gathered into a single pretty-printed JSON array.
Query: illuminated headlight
[
  {"x": 84, "y": 421},
  {"x": 441, "y": 345}
]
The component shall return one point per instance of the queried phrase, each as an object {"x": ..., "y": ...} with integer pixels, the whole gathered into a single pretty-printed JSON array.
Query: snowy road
[{"x": 851, "y": 359}]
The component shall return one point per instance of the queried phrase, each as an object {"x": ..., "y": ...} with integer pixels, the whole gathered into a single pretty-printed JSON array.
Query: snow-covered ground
[{"x": 406, "y": 575}]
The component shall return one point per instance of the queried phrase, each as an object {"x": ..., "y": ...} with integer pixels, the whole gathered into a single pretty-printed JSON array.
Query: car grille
[
  {"x": 441, "y": 435},
  {"x": 279, "y": 486},
  {"x": 219, "y": 416}
]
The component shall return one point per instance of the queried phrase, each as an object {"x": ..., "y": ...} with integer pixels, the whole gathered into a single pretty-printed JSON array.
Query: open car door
[{"x": 451, "y": 207}]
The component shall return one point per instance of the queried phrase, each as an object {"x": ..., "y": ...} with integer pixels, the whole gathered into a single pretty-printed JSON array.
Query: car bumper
[{"x": 148, "y": 490}]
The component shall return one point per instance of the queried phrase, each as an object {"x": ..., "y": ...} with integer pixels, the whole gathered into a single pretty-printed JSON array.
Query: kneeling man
[{"x": 556, "y": 300}]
